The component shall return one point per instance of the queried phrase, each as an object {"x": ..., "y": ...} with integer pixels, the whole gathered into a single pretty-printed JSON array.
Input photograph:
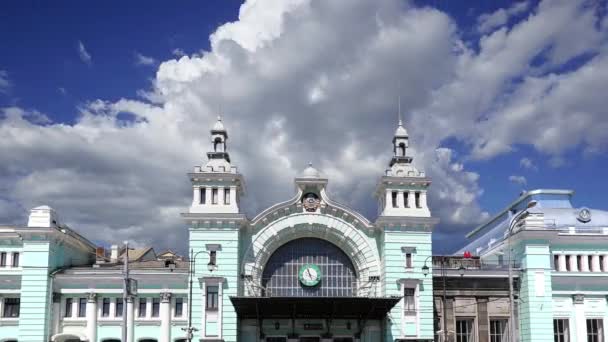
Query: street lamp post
[
  {"x": 425, "y": 271},
  {"x": 514, "y": 220},
  {"x": 211, "y": 266}
]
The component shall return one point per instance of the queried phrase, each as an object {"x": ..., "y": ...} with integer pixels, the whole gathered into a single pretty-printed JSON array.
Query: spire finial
[
  {"x": 399, "y": 111},
  {"x": 310, "y": 163}
]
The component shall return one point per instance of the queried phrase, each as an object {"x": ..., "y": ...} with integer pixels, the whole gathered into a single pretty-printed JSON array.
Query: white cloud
[
  {"x": 490, "y": 21},
  {"x": 178, "y": 52},
  {"x": 303, "y": 81},
  {"x": 84, "y": 55},
  {"x": 519, "y": 180},
  {"x": 5, "y": 83},
  {"x": 527, "y": 163},
  {"x": 144, "y": 60}
]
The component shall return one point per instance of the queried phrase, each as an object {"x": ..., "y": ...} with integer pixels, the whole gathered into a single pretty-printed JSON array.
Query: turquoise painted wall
[
  {"x": 393, "y": 263},
  {"x": 228, "y": 267},
  {"x": 536, "y": 304}
]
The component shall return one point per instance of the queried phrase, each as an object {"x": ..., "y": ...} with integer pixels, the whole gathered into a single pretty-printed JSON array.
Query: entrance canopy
[{"x": 313, "y": 307}]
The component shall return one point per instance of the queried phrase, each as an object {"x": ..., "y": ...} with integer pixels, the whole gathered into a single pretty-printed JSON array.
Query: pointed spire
[{"x": 219, "y": 125}]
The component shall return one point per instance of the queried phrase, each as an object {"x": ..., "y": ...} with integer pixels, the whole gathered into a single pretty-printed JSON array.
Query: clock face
[{"x": 310, "y": 275}]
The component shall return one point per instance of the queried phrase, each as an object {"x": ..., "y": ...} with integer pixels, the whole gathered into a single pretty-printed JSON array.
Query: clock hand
[{"x": 308, "y": 272}]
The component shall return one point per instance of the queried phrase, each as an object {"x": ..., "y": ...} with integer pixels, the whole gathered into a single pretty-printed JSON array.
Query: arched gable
[{"x": 360, "y": 248}]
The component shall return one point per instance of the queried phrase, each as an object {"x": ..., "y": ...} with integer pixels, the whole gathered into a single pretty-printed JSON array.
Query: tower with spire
[{"x": 406, "y": 227}]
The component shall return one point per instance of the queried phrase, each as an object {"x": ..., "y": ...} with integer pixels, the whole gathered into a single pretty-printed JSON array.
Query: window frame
[
  {"x": 105, "y": 304},
  {"x": 118, "y": 307},
  {"x": 142, "y": 301},
  {"x": 409, "y": 305},
  {"x": 82, "y": 307},
  {"x": 598, "y": 335},
  {"x": 214, "y": 195},
  {"x": 15, "y": 260},
  {"x": 68, "y": 307},
  {"x": 227, "y": 196},
  {"x": 469, "y": 335},
  {"x": 212, "y": 298},
  {"x": 155, "y": 307},
  {"x": 3, "y": 256},
  {"x": 15, "y": 308},
  {"x": 502, "y": 335},
  {"x": 563, "y": 336},
  {"x": 180, "y": 301}
]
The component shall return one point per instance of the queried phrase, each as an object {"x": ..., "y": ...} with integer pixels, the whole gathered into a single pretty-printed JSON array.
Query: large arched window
[{"x": 282, "y": 276}]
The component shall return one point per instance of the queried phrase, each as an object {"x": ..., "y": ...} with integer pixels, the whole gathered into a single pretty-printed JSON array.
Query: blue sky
[{"x": 107, "y": 100}]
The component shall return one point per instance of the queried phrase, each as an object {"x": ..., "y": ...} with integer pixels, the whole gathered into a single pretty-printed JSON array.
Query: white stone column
[
  {"x": 220, "y": 195},
  {"x": 208, "y": 195},
  {"x": 56, "y": 313},
  {"x": 411, "y": 199},
  {"x": 196, "y": 197},
  {"x": 233, "y": 203},
  {"x": 130, "y": 319},
  {"x": 400, "y": 203},
  {"x": 165, "y": 317},
  {"x": 91, "y": 316},
  {"x": 423, "y": 199},
  {"x": 388, "y": 200},
  {"x": 561, "y": 263},
  {"x": 595, "y": 263},
  {"x": 573, "y": 263},
  {"x": 605, "y": 263},
  {"x": 579, "y": 318},
  {"x": 9, "y": 259},
  {"x": 584, "y": 263}
]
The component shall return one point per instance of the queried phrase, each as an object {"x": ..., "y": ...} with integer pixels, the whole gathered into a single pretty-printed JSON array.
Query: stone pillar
[
  {"x": 233, "y": 204},
  {"x": 220, "y": 195},
  {"x": 579, "y": 317},
  {"x": 388, "y": 200},
  {"x": 605, "y": 263},
  {"x": 449, "y": 308},
  {"x": 483, "y": 321},
  {"x": 56, "y": 313},
  {"x": 196, "y": 196},
  {"x": 573, "y": 263},
  {"x": 165, "y": 317},
  {"x": 423, "y": 199},
  {"x": 400, "y": 203},
  {"x": 130, "y": 319},
  {"x": 411, "y": 199},
  {"x": 584, "y": 263},
  {"x": 91, "y": 316},
  {"x": 208, "y": 195},
  {"x": 595, "y": 263},
  {"x": 561, "y": 263}
]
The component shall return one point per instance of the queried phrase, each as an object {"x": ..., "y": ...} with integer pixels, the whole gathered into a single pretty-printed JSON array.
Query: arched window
[
  {"x": 285, "y": 272},
  {"x": 217, "y": 143},
  {"x": 401, "y": 150},
  {"x": 111, "y": 340}
]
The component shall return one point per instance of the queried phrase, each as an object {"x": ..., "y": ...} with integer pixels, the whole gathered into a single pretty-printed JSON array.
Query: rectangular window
[
  {"x": 68, "y": 307},
  {"x": 595, "y": 330},
  {"x": 15, "y": 260},
  {"x": 561, "y": 331},
  {"x": 82, "y": 307},
  {"x": 155, "y": 307},
  {"x": 417, "y": 197},
  {"x": 203, "y": 196},
  {"x": 394, "y": 196},
  {"x": 214, "y": 193},
  {"x": 409, "y": 301},
  {"x": 212, "y": 257},
  {"x": 141, "y": 312},
  {"x": 556, "y": 262},
  {"x": 11, "y": 307},
  {"x": 118, "y": 307},
  {"x": 212, "y": 297},
  {"x": 498, "y": 330},
  {"x": 226, "y": 196},
  {"x": 105, "y": 307},
  {"x": 406, "y": 196},
  {"x": 179, "y": 306},
  {"x": 3, "y": 259},
  {"x": 464, "y": 330},
  {"x": 579, "y": 262},
  {"x": 568, "y": 263},
  {"x": 408, "y": 260}
]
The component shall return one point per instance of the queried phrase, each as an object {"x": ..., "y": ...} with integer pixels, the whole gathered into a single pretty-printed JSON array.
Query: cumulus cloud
[
  {"x": 5, "y": 83},
  {"x": 302, "y": 81},
  {"x": 527, "y": 163},
  {"x": 490, "y": 21},
  {"x": 84, "y": 55},
  {"x": 519, "y": 180},
  {"x": 144, "y": 60}
]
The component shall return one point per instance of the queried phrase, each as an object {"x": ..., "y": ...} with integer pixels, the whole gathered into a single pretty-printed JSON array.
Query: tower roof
[
  {"x": 219, "y": 125},
  {"x": 310, "y": 172},
  {"x": 401, "y": 131}
]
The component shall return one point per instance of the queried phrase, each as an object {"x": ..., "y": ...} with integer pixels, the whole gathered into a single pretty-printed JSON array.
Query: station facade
[{"x": 310, "y": 269}]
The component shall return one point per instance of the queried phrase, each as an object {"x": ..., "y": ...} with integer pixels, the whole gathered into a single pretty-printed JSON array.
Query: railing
[{"x": 474, "y": 263}]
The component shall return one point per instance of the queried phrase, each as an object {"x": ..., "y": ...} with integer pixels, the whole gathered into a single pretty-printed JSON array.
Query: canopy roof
[{"x": 313, "y": 307}]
